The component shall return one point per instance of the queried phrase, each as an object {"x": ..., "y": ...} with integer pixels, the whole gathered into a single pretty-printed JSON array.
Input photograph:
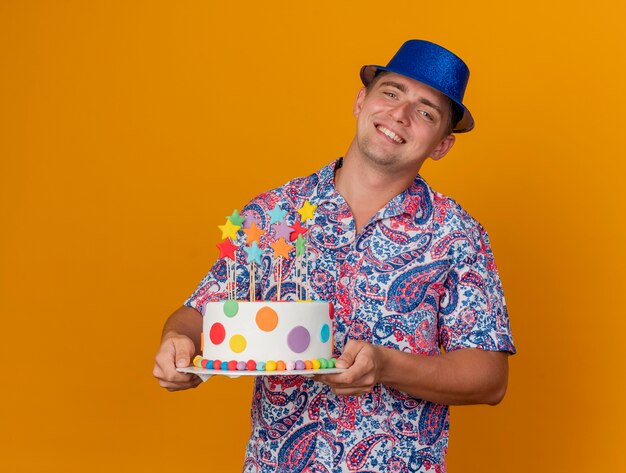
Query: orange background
[{"x": 129, "y": 129}]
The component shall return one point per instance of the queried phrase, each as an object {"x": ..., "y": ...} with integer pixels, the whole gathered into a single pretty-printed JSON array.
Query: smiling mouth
[{"x": 387, "y": 132}]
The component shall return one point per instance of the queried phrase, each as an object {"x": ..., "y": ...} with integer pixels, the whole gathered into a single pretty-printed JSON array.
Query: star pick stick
[
  {"x": 254, "y": 256},
  {"x": 307, "y": 212},
  {"x": 227, "y": 251},
  {"x": 281, "y": 250},
  {"x": 299, "y": 255}
]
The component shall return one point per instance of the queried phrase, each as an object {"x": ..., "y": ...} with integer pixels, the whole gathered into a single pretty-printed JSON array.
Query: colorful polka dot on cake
[
  {"x": 231, "y": 307},
  {"x": 217, "y": 334},
  {"x": 237, "y": 343},
  {"x": 267, "y": 319},
  {"x": 298, "y": 339},
  {"x": 325, "y": 333}
]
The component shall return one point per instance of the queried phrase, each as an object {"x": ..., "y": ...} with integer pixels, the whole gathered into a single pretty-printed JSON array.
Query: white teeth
[{"x": 391, "y": 134}]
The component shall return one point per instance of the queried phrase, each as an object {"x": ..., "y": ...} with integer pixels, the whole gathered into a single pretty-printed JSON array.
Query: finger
[
  {"x": 352, "y": 376},
  {"x": 175, "y": 352},
  {"x": 164, "y": 369},
  {"x": 184, "y": 350},
  {"x": 157, "y": 372},
  {"x": 349, "y": 354},
  {"x": 177, "y": 386}
]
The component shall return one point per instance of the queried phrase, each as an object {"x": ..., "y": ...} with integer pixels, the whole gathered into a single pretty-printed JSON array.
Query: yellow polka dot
[
  {"x": 266, "y": 319},
  {"x": 237, "y": 343}
]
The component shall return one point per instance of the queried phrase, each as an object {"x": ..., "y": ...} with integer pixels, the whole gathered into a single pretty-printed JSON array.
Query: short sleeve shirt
[{"x": 420, "y": 277}]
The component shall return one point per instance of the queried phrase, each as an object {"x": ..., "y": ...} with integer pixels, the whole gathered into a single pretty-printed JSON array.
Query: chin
[{"x": 385, "y": 161}]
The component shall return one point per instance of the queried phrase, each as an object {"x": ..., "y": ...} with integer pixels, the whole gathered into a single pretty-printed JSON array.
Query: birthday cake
[
  {"x": 267, "y": 336},
  {"x": 275, "y": 335}
]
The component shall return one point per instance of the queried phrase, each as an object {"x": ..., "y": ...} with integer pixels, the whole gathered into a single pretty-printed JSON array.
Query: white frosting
[{"x": 293, "y": 320}]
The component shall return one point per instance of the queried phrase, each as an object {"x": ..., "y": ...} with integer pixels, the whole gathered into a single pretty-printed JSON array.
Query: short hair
[{"x": 455, "y": 111}]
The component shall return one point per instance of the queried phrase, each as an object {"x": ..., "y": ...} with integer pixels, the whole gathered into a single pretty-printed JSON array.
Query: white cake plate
[{"x": 205, "y": 374}]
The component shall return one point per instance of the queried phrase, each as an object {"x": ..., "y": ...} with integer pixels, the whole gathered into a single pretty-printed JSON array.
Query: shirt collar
[{"x": 326, "y": 190}]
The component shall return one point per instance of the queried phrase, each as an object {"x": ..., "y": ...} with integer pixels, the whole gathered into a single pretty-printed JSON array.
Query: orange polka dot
[{"x": 267, "y": 319}]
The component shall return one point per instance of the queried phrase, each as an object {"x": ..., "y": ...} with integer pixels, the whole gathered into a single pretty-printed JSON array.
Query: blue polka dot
[{"x": 325, "y": 333}]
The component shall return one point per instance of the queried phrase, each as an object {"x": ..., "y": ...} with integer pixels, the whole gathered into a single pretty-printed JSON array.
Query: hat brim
[{"x": 464, "y": 125}]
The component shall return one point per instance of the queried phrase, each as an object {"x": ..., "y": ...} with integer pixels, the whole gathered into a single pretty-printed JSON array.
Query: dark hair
[{"x": 456, "y": 112}]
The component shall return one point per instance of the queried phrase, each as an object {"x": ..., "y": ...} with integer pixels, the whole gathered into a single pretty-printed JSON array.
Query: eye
[
  {"x": 390, "y": 95},
  {"x": 426, "y": 115}
]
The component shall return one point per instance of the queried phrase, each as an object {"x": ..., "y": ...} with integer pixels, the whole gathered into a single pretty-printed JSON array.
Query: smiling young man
[{"x": 420, "y": 318}]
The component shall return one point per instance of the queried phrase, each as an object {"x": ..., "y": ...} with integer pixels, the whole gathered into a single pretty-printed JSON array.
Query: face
[{"x": 400, "y": 123}]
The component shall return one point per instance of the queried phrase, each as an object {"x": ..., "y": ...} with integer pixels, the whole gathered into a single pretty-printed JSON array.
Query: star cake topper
[
  {"x": 298, "y": 230},
  {"x": 229, "y": 230},
  {"x": 307, "y": 210},
  {"x": 227, "y": 249},
  {"x": 281, "y": 248},
  {"x": 254, "y": 253},
  {"x": 276, "y": 214},
  {"x": 253, "y": 233},
  {"x": 235, "y": 218}
]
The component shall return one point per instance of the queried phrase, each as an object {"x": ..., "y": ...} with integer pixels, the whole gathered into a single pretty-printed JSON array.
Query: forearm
[
  {"x": 184, "y": 321},
  {"x": 465, "y": 376}
]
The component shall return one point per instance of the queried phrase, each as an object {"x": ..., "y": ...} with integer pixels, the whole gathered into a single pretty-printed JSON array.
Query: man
[{"x": 420, "y": 319}]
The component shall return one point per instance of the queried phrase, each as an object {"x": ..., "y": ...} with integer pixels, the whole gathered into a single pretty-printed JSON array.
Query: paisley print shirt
[{"x": 420, "y": 277}]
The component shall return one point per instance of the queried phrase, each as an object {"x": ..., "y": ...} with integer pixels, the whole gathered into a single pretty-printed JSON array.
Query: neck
[{"x": 366, "y": 187}]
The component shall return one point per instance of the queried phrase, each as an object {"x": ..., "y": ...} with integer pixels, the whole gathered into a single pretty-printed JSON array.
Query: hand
[
  {"x": 364, "y": 362},
  {"x": 176, "y": 351}
]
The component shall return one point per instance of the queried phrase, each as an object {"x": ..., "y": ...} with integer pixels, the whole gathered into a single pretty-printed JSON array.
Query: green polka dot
[{"x": 231, "y": 307}]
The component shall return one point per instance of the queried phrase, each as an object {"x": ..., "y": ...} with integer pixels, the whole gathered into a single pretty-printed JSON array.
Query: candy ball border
[{"x": 269, "y": 365}]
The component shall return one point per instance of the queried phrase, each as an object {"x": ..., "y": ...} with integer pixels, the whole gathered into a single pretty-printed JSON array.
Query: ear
[
  {"x": 358, "y": 103},
  {"x": 443, "y": 147}
]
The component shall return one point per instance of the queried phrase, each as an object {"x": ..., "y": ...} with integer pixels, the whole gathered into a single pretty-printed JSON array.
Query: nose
[{"x": 400, "y": 113}]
